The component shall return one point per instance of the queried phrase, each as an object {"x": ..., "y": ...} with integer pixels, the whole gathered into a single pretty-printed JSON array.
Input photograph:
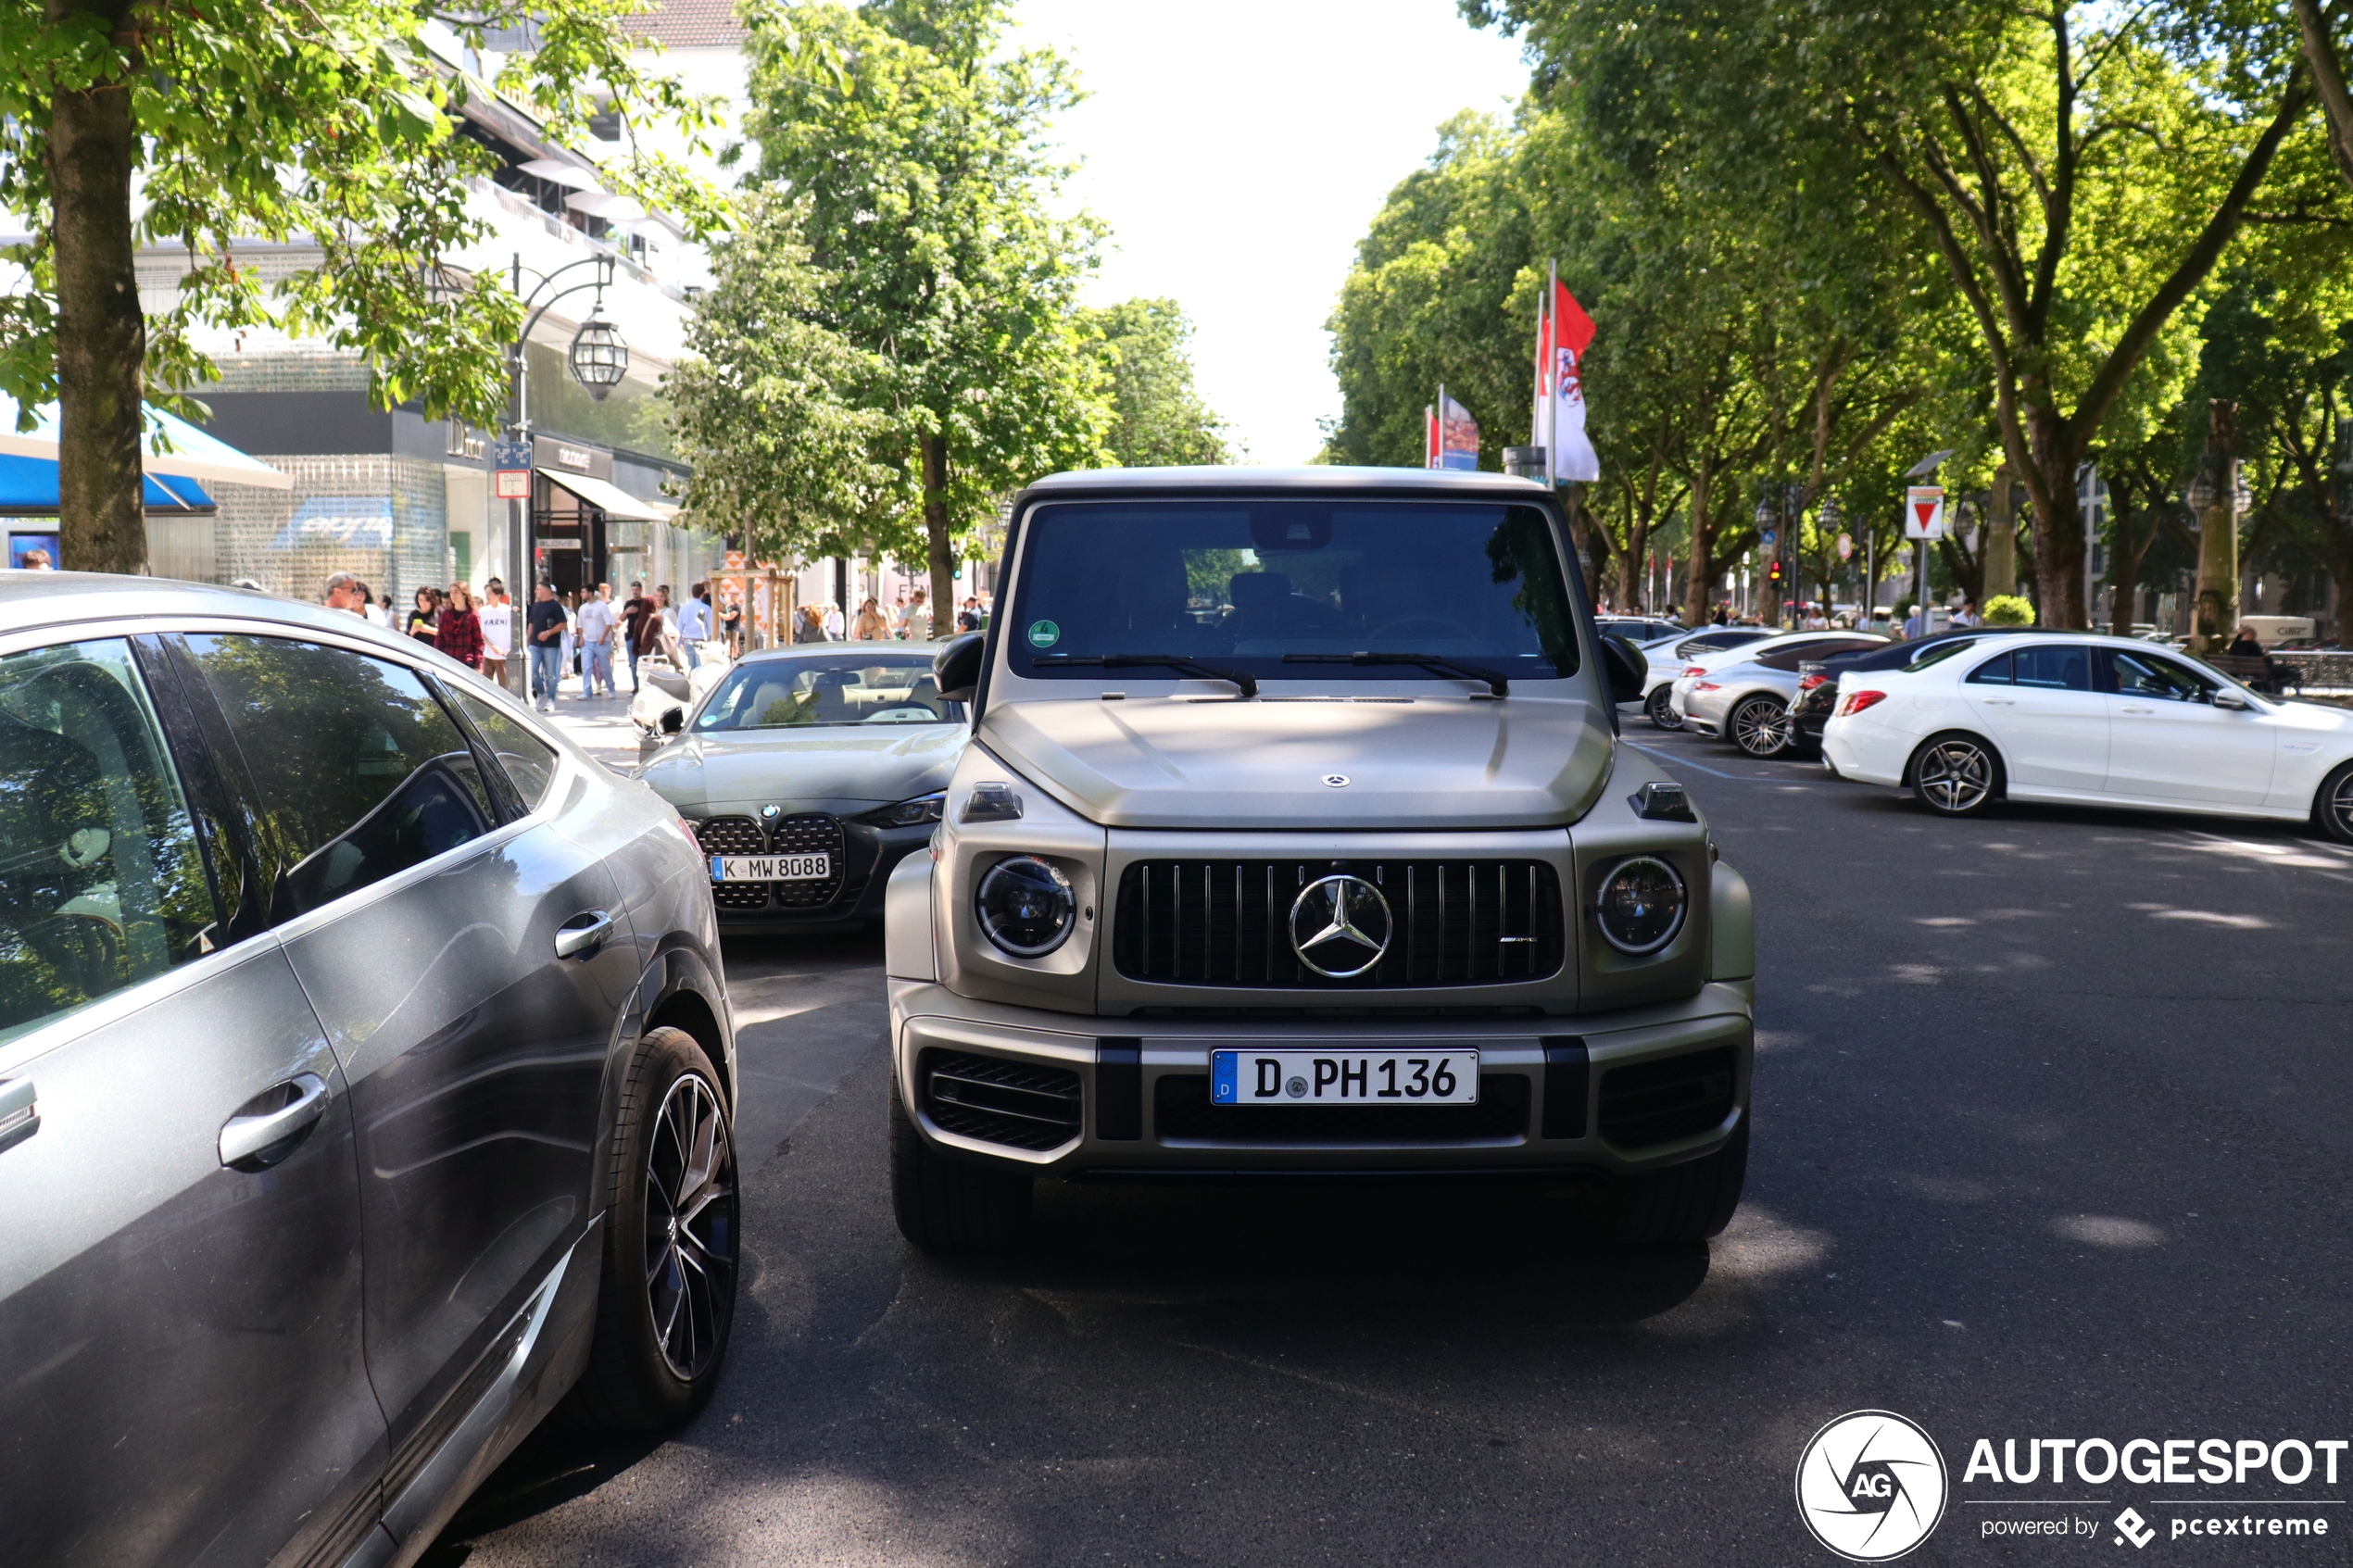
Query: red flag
[{"x": 1571, "y": 326}]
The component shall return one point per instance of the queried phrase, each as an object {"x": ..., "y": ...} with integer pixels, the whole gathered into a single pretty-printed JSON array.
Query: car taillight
[
  {"x": 1855, "y": 702},
  {"x": 1705, "y": 687},
  {"x": 1696, "y": 670},
  {"x": 1810, "y": 681}
]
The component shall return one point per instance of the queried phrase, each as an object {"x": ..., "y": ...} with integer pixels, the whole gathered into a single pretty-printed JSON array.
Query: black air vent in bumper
[
  {"x": 1655, "y": 1102},
  {"x": 1181, "y": 1111},
  {"x": 1227, "y": 922},
  {"x": 1020, "y": 1104}
]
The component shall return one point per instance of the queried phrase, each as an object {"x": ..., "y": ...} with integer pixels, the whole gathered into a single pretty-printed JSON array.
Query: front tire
[
  {"x": 1683, "y": 1203},
  {"x": 948, "y": 1205},
  {"x": 1660, "y": 708},
  {"x": 2332, "y": 806},
  {"x": 668, "y": 1298},
  {"x": 1760, "y": 726},
  {"x": 1955, "y": 775}
]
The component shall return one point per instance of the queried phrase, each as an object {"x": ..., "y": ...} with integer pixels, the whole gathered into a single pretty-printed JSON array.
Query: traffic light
[{"x": 1773, "y": 573}]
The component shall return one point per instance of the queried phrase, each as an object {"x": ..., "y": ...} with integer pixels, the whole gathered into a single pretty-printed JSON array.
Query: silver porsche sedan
[{"x": 806, "y": 774}]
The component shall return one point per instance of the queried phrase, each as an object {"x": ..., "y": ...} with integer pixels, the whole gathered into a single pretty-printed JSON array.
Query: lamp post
[
  {"x": 599, "y": 359},
  {"x": 1833, "y": 515}
]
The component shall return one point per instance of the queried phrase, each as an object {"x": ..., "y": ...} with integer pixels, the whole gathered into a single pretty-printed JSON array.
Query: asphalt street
[{"x": 2051, "y": 1126}]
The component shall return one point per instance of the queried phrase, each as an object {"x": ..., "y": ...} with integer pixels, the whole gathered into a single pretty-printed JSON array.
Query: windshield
[
  {"x": 1241, "y": 584},
  {"x": 849, "y": 688}
]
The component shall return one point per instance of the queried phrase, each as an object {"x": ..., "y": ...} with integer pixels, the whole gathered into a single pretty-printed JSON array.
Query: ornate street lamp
[{"x": 598, "y": 357}]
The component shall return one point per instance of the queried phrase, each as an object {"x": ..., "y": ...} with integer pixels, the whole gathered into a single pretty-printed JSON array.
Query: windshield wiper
[
  {"x": 1496, "y": 684},
  {"x": 1243, "y": 681}
]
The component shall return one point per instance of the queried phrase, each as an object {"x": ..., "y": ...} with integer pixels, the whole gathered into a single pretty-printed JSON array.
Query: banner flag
[
  {"x": 1569, "y": 451},
  {"x": 1430, "y": 437},
  {"x": 1457, "y": 434}
]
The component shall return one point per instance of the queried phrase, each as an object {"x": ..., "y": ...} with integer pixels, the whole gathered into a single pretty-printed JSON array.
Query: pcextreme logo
[{"x": 1871, "y": 1486}]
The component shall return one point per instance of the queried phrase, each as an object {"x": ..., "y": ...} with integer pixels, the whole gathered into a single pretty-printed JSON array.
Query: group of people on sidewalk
[
  {"x": 564, "y": 634},
  {"x": 909, "y": 621}
]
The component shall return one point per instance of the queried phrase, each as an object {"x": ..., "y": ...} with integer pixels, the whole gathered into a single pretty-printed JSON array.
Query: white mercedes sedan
[{"x": 2075, "y": 717}]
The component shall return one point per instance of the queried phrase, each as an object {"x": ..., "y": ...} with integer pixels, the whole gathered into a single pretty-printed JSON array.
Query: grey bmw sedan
[
  {"x": 365, "y": 1080},
  {"x": 808, "y": 775}
]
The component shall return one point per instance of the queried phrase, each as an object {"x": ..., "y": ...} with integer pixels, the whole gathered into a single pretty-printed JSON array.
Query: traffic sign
[
  {"x": 1846, "y": 546},
  {"x": 1924, "y": 512},
  {"x": 512, "y": 462}
]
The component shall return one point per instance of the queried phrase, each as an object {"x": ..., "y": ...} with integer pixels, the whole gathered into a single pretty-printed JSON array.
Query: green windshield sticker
[{"x": 1044, "y": 633}]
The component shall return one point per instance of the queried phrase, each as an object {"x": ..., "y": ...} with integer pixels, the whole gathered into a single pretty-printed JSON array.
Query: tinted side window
[
  {"x": 2052, "y": 668},
  {"x": 529, "y": 762},
  {"x": 2141, "y": 674},
  {"x": 356, "y": 772},
  {"x": 102, "y": 884},
  {"x": 1994, "y": 671}
]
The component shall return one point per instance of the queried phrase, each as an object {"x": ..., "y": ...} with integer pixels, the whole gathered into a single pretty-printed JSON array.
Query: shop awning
[
  {"x": 614, "y": 500},
  {"x": 193, "y": 454},
  {"x": 29, "y": 488}
]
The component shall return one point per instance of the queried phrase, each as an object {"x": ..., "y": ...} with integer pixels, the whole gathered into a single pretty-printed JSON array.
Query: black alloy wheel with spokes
[
  {"x": 672, "y": 1234},
  {"x": 1760, "y": 726},
  {"x": 1660, "y": 706},
  {"x": 1955, "y": 775},
  {"x": 2333, "y": 809}
]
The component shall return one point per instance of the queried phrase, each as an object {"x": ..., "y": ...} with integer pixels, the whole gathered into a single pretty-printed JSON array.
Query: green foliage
[
  {"x": 330, "y": 123},
  {"x": 908, "y": 305},
  {"x": 2008, "y": 609},
  {"x": 1158, "y": 420}
]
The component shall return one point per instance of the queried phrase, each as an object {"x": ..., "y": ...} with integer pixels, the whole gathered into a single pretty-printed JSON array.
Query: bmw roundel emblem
[{"x": 769, "y": 813}]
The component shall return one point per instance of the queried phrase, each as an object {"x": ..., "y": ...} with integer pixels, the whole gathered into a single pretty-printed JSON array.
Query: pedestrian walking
[
  {"x": 809, "y": 625},
  {"x": 545, "y": 622},
  {"x": 694, "y": 624},
  {"x": 570, "y": 663},
  {"x": 458, "y": 632},
  {"x": 731, "y": 622},
  {"x": 344, "y": 592},
  {"x": 597, "y": 621},
  {"x": 873, "y": 625},
  {"x": 919, "y": 617},
  {"x": 836, "y": 624},
  {"x": 373, "y": 612},
  {"x": 498, "y": 618},
  {"x": 420, "y": 623},
  {"x": 968, "y": 618},
  {"x": 634, "y": 611}
]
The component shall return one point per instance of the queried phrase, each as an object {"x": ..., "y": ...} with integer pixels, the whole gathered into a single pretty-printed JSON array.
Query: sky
[{"x": 1239, "y": 149}]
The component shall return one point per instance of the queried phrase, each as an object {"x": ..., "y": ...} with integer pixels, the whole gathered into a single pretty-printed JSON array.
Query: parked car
[
  {"x": 1748, "y": 701},
  {"x": 365, "y": 1075},
  {"x": 1706, "y": 659},
  {"x": 806, "y": 774},
  {"x": 1670, "y": 657},
  {"x": 1269, "y": 894},
  {"x": 2076, "y": 717},
  {"x": 1809, "y": 709},
  {"x": 1638, "y": 629}
]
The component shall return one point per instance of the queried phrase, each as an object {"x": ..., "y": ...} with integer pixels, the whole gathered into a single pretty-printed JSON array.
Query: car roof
[
  {"x": 29, "y": 600},
  {"x": 1316, "y": 479},
  {"x": 818, "y": 650}
]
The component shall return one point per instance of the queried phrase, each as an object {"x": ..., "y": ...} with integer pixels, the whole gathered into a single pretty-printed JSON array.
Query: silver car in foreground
[
  {"x": 1295, "y": 839},
  {"x": 365, "y": 1074},
  {"x": 806, "y": 774}
]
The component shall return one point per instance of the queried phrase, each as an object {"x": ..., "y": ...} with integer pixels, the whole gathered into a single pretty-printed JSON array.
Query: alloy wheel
[
  {"x": 1661, "y": 709},
  {"x": 690, "y": 1227},
  {"x": 2340, "y": 807},
  {"x": 1954, "y": 776},
  {"x": 1760, "y": 726}
]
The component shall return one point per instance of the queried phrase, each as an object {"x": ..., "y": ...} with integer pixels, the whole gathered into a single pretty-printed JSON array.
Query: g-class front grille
[
  {"x": 1182, "y": 1112},
  {"x": 1655, "y": 1102},
  {"x": 1228, "y": 923},
  {"x": 1018, "y": 1103},
  {"x": 812, "y": 832}
]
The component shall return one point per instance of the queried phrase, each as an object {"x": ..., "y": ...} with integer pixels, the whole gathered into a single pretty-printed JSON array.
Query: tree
[
  {"x": 328, "y": 122},
  {"x": 911, "y": 152},
  {"x": 1157, "y": 418}
]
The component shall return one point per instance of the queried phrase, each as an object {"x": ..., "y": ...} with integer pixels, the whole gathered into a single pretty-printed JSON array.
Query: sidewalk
[{"x": 598, "y": 725}]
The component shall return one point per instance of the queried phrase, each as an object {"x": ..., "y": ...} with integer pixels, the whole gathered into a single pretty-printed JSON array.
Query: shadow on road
[{"x": 554, "y": 1465}]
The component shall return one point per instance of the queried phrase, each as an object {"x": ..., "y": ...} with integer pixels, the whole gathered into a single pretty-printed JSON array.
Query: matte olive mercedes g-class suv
[{"x": 1296, "y": 837}]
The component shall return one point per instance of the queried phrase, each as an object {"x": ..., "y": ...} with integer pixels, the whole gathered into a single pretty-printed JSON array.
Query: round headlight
[
  {"x": 1026, "y": 907},
  {"x": 1642, "y": 906}
]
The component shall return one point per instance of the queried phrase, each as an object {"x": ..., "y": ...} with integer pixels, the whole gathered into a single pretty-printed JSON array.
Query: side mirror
[
  {"x": 956, "y": 667},
  {"x": 1625, "y": 666},
  {"x": 672, "y": 721},
  {"x": 2225, "y": 698}
]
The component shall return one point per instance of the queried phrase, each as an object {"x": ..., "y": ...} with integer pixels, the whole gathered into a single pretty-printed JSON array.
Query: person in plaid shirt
[{"x": 458, "y": 631}]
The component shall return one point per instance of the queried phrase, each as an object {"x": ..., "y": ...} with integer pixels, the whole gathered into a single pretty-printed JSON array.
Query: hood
[
  {"x": 848, "y": 762},
  {"x": 1422, "y": 763}
]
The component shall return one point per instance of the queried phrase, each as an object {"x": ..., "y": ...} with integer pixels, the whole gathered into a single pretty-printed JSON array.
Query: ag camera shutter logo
[{"x": 1871, "y": 1486}]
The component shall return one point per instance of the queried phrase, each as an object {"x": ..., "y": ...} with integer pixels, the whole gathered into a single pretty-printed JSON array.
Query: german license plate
[
  {"x": 770, "y": 867},
  {"x": 1344, "y": 1077}
]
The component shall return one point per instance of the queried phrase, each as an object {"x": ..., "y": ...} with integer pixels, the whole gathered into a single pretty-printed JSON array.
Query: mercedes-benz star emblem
[
  {"x": 1336, "y": 780},
  {"x": 1340, "y": 927}
]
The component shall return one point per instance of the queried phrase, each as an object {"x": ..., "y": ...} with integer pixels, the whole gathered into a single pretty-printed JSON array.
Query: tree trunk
[
  {"x": 2215, "y": 612},
  {"x": 1695, "y": 585},
  {"x": 2123, "y": 560},
  {"x": 1999, "y": 554},
  {"x": 101, "y": 335},
  {"x": 2328, "y": 78},
  {"x": 2059, "y": 524},
  {"x": 938, "y": 547}
]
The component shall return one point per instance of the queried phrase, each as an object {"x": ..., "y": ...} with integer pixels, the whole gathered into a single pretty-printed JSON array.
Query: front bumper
[
  {"x": 869, "y": 854},
  {"x": 1140, "y": 1106}
]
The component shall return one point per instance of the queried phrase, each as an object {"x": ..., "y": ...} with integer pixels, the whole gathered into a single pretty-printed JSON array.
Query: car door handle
[
  {"x": 19, "y": 1111},
  {"x": 585, "y": 932},
  {"x": 1999, "y": 701},
  {"x": 267, "y": 1128},
  {"x": 2136, "y": 710}
]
